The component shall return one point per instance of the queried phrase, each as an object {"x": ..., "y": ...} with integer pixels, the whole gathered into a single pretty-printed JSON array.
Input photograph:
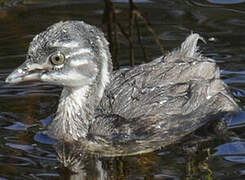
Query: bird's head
[{"x": 72, "y": 53}]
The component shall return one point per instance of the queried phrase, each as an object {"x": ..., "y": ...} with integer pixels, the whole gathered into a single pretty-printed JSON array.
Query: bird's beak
[{"x": 28, "y": 71}]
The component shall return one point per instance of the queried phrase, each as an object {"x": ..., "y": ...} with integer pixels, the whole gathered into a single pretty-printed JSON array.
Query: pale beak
[{"x": 28, "y": 72}]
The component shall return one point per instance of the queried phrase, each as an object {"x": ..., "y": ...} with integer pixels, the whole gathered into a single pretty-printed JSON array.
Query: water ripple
[{"x": 226, "y": 1}]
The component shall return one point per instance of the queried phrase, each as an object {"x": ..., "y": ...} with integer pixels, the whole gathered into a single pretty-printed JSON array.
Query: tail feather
[{"x": 188, "y": 48}]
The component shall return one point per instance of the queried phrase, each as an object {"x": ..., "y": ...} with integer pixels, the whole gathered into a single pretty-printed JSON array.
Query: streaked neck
[{"x": 74, "y": 114}]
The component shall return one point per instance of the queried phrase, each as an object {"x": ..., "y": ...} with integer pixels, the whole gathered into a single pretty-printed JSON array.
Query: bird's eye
[{"x": 57, "y": 59}]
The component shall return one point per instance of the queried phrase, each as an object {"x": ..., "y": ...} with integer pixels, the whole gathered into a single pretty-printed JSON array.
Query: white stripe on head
[
  {"x": 78, "y": 52},
  {"x": 105, "y": 75},
  {"x": 70, "y": 44},
  {"x": 78, "y": 62}
]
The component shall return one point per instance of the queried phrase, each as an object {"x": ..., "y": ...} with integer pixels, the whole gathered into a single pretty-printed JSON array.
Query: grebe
[{"x": 127, "y": 111}]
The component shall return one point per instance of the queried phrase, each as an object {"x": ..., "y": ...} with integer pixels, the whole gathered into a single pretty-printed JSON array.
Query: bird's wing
[
  {"x": 167, "y": 98},
  {"x": 166, "y": 88}
]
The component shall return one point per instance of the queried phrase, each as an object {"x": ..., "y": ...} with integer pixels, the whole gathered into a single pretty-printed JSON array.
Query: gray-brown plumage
[{"x": 128, "y": 111}]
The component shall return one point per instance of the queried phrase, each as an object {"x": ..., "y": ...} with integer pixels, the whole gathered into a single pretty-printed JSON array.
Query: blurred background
[{"x": 138, "y": 31}]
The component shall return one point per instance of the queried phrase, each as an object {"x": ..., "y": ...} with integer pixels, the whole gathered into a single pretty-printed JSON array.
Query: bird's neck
[{"x": 75, "y": 113}]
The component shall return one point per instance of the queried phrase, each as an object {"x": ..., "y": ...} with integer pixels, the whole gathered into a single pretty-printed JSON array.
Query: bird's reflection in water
[
  {"x": 83, "y": 165},
  {"x": 78, "y": 165},
  {"x": 189, "y": 156}
]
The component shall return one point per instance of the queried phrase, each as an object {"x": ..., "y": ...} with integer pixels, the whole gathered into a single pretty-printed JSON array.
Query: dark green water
[{"x": 26, "y": 108}]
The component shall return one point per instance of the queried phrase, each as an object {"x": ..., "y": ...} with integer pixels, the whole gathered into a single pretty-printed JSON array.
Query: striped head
[{"x": 72, "y": 53}]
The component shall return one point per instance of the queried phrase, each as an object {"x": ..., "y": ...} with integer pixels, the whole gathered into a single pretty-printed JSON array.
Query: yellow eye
[{"x": 57, "y": 59}]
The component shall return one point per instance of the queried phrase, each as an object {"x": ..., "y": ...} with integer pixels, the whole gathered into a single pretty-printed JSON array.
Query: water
[{"x": 25, "y": 109}]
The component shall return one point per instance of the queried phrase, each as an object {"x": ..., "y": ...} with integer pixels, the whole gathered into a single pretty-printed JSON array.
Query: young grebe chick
[{"x": 123, "y": 112}]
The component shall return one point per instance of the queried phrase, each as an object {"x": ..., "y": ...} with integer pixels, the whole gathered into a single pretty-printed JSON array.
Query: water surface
[{"x": 25, "y": 109}]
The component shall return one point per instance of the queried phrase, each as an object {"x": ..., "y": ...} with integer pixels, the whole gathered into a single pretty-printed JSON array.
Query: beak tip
[
  {"x": 13, "y": 78},
  {"x": 9, "y": 80}
]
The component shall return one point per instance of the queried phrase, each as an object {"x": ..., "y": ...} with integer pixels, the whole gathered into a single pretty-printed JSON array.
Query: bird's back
[{"x": 160, "y": 102}]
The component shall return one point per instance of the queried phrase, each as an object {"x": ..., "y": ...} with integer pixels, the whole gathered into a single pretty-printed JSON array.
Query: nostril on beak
[{"x": 27, "y": 72}]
